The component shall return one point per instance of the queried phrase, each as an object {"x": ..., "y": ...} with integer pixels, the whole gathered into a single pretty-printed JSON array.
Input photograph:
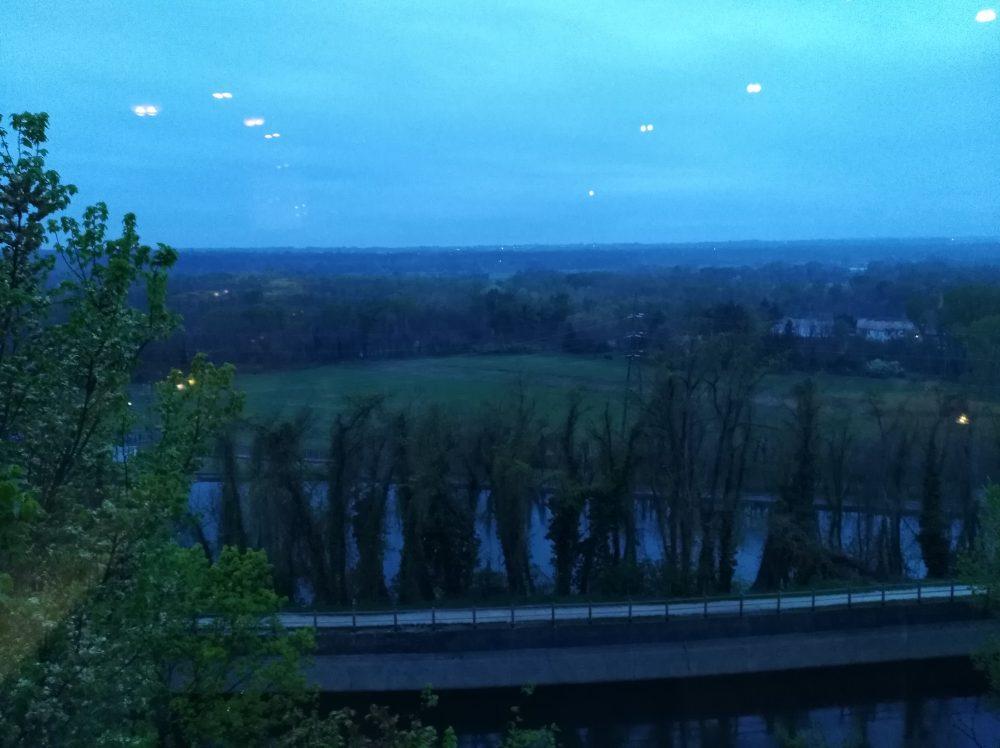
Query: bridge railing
[{"x": 644, "y": 610}]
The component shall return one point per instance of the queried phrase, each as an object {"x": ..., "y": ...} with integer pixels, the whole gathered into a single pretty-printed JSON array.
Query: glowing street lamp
[
  {"x": 180, "y": 386},
  {"x": 963, "y": 419}
]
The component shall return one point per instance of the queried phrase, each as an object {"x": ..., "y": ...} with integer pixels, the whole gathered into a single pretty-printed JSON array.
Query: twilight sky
[{"x": 418, "y": 122}]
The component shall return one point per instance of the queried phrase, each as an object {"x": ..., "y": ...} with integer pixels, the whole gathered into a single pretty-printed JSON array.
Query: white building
[{"x": 883, "y": 330}]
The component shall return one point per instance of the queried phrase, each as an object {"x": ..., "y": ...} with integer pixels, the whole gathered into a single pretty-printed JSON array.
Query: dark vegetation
[
  {"x": 111, "y": 632},
  {"x": 700, "y": 439},
  {"x": 686, "y": 446},
  {"x": 288, "y": 317}
]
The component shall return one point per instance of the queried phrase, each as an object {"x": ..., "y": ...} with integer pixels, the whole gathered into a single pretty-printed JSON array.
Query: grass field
[
  {"x": 462, "y": 382},
  {"x": 455, "y": 381}
]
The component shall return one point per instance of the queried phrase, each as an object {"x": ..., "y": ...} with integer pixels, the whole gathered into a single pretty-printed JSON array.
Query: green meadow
[{"x": 461, "y": 383}]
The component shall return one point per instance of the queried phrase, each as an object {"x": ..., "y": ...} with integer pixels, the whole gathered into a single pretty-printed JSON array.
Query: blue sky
[{"x": 475, "y": 122}]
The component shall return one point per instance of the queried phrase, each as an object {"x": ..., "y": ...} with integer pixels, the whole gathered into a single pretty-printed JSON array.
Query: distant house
[
  {"x": 803, "y": 327},
  {"x": 884, "y": 330}
]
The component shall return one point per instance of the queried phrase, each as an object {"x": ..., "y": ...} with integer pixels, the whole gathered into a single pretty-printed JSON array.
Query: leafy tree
[
  {"x": 568, "y": 500},
  {"x": 513, "y": 485},
  {"x": 981, "y": 568},
  {"x": 440, "y": 547},
  {"x": 112, "y": 633},
  {"x": 232, "y": 527},
  {"x": 286, "y": 526},
  {"x": 99, "y": 605},
  {"x": 368, "y": 521},
  {"x": 792, "y": 553},
  {"x": 348, "y": 440},
  {"x": 934, "y": 535}
]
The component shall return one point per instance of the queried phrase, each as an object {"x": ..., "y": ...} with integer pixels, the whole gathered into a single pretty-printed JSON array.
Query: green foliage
[
  {"x": 510, "y": 454},
  {"x": 237, "y": 674},
  {"x": 981, "y": 567},
  {"x": 18, "y": 508},
  {"x": 439, "y": 541},
  {"x": 102, "y": 614}
]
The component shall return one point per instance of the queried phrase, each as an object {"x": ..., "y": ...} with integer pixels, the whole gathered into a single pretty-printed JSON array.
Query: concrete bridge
[{"x": 581, "y": 644}]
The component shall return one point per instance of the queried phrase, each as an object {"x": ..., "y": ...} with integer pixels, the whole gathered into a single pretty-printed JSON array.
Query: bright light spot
[
  {"x": 253, "y": 121},
  {"x": 145, "y": 110},
  {"x": 753, "y": 88},
  {"x": 191, "y": 381},
  {"x": 986, "y": 15},
  {"x": 649, "y": 128},
  {"x": 271, "y": 135},
  {"x": 962, "y": 420},
  {"x": 590, "y": 193},
  {"x": 642, "y": 128},
  {"x": 129, "y": 403},
  {"x": 180, "y": 385},
  {"x": 222, "y": 95},
  {"x": 216, "y": 294}
]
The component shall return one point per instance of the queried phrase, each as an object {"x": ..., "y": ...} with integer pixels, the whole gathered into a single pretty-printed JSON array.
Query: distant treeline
[
  {"x": 505, "y": 260},
  {"x": 278, "y": 318},
  {"x": 700, "y": 440}
]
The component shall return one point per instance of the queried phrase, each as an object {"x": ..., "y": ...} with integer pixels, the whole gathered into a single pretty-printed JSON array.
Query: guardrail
[{"x": 705, "y": 607}]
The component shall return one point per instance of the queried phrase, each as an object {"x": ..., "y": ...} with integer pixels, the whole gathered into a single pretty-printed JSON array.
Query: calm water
[
  {"x": 753, "y": 527},
  {"x": 933, "y": 703}
]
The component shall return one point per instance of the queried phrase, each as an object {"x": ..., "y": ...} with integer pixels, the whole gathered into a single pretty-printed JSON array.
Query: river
[
  {"x": 204, "y": 502},
  {"x": 932, "y": 703}
]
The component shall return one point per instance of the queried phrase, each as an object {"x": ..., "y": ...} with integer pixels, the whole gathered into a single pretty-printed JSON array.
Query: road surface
[{"x": 755, "y": 605}]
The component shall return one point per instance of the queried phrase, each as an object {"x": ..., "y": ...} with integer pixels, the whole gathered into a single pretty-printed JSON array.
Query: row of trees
[
  {"x": 282, "y": 318},
  {"x": 688, "y": 453}
]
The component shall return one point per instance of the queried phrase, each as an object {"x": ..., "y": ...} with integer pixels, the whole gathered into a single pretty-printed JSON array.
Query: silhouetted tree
[
  {"x": 567, "y": 500},
  {"x": 935, "y": 545}
]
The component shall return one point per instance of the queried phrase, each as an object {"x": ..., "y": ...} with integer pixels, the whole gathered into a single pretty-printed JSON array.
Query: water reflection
[
  {"x": 204, "y": 503},
  {"x": 933, "y": 703}
]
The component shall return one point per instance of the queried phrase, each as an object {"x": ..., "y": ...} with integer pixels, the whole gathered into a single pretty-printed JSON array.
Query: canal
[{"x": 928, "y": 703}]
